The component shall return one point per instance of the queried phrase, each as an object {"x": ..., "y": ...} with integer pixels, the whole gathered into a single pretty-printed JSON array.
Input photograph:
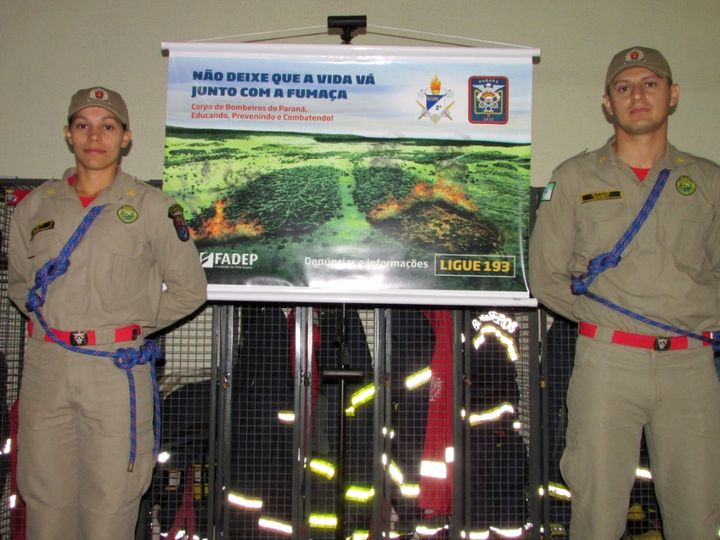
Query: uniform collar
[
  {"x": 672, "y": 159},
  {"x": 120, "y": 188}
]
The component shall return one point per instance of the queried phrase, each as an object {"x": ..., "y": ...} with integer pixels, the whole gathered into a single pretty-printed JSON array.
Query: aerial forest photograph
[{"x": 309, "y": 206}]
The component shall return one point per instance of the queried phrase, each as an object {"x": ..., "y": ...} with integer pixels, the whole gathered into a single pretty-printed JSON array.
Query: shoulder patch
[
  {"x": 175, "y": 212},
  {"x": 600, "y": 196},
  {"x": 547, "y": 192}
]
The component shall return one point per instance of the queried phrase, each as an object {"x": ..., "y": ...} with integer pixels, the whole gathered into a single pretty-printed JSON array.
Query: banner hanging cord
[{"x": 388, "y": 31}]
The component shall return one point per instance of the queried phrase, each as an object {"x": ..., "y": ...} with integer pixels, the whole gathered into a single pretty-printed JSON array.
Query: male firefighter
[{"x": 626, "y": 244}]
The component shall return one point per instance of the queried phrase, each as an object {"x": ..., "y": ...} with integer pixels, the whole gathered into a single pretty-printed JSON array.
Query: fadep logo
[{"x": 227, "y": 259}]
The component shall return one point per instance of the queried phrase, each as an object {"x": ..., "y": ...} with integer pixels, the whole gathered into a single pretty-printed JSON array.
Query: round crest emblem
[
  {"x": 127, "y": 214},
  {"x": 685, "y": 185},
  {"x": 635, "y": 55}
]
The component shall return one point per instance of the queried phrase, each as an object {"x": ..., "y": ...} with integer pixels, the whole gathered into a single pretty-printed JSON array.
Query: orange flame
[
  {"x": 451, "y": 194},
  {"x": 435, "y": 85},
  {"x": 218, "y": 227},
  {"x": 385, "y": 210},
  {"x": 423, "y": 191}
]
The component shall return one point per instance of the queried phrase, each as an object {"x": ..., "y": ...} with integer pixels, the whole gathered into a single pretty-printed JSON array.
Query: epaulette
[{"x": 579, "y": 154}]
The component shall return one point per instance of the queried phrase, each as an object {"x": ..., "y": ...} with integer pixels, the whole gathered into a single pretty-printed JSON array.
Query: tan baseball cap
[
  {"x": 98, "y": 96},
  {"x": 637, "y": 56}
]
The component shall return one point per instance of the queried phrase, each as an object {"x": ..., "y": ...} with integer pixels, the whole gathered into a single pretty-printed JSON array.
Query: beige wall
[{"x": 51, "y": 48}]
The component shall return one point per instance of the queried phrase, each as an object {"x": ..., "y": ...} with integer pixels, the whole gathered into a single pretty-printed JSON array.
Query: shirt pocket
[
  {"x": 44, "y": 246},
  {"x": 128, "y": 263},
  {"x": 601, "y": 225},
  {"x": 683, "y": 233}
]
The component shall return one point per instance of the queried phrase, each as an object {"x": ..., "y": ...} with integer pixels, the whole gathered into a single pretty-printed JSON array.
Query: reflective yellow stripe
[
  {"x": 240, "y": 500},
  {"x": 396, "y": 474},
  {"x": 508, "y": 533},
  {"x": 491, "y": 415},
  {"x": 475, "y": 535},
  {"x": 433, "y": 469},
  {"x": 559, "y": 491},
  {"x": 505, "y": 340},
  {"x": 286, "y": 417},
  {"x": 425, "y": 531},
  {"x": 323, "y": 468},
  {"x": 410, "y": 491},
  {"x": 359, "y": 493},
  {"x": 418, "y": 378},
  {"x": 323, "y": 521},
  {"x": 275, "y": 525},
  {"x": 360, "y": 397}
]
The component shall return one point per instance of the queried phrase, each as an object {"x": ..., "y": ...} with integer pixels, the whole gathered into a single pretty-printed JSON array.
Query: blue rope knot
[
  {"x": 603, "y": 261},
  {"x": 597, "y": 265},
  {"x": 578, "y": 285},
  {"x": 126, "y": 358},
  {"x": 47, "y": 273}
]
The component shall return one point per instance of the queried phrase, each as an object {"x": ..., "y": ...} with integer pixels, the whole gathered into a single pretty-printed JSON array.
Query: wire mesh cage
[
  {"x": 12, "y": 342},
  {"x": 558, "y": 360},
  {"x": 344, "y": 421}
]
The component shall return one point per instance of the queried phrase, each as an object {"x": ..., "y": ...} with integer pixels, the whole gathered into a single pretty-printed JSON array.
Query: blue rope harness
[
  {"x": 580, "y": 285},
  {"x": 124, "y": 358}
]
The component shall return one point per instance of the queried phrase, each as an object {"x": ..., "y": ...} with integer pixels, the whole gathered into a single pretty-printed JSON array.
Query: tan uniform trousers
[
  {"x": 616, "y": 391},
  {"x": 74, "y": 445}
]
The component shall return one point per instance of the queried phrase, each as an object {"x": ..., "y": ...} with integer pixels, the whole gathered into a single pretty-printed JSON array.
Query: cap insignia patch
[
  {"x": 99, "y": 94},
  {"x": 634, "y": 55}
]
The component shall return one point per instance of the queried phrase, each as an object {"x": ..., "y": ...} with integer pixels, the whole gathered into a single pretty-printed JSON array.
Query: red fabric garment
[
  {"x": 14, "y": 195},
  {"x": 185, "y": 515},
  {"x": 436, "y": 493},
  {"x": 17, "y": 514},
  {"x": 641, "y": 173},
  {"x": 85, "y": 201}
]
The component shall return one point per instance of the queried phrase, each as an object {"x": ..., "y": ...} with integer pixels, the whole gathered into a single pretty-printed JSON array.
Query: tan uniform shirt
[
  {"x": 118, "y": 269},
  {"x": 670, "y": 272}
]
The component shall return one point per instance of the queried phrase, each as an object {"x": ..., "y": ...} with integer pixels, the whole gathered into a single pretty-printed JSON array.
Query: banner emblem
[
  {"x": 436, "y": 104},
  {"x": 488, "y": 100}
]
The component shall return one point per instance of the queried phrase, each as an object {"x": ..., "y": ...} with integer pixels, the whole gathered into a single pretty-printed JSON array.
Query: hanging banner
[{"x": 353, "y": 174}]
